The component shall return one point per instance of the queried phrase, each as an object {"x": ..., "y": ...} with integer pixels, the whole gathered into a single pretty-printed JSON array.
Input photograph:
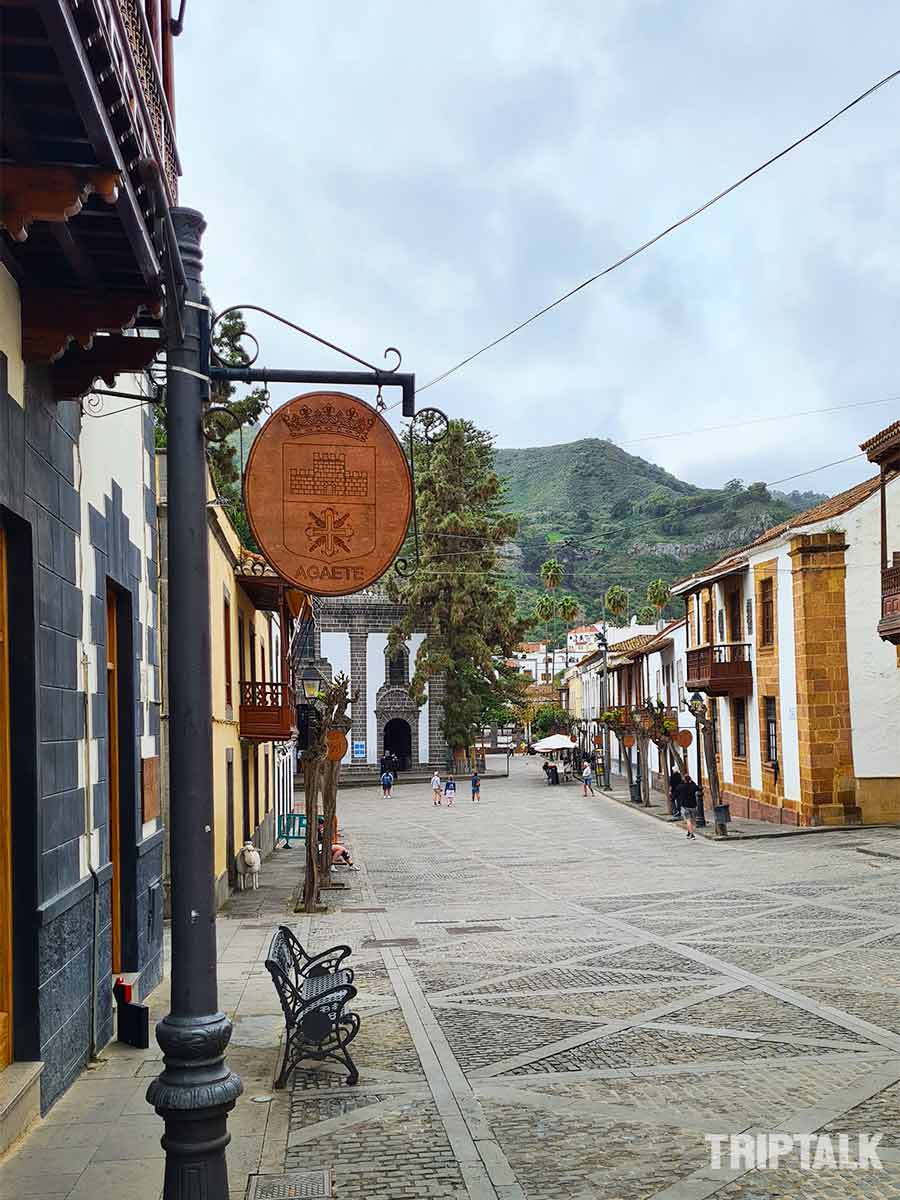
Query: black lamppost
[
  {"x": 698, "y": 707},
  {"x": 196, "y": 1090}
]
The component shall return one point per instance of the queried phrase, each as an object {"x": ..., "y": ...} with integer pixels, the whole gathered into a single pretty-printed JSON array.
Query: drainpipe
[{"x": 95, "y": 930}]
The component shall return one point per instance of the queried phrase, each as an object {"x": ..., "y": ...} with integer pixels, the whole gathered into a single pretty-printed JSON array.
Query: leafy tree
[
  {"x": 550, "y": 718},
  {"x": 658, "y": 595},
  {"x": 616, "y": 601},
  {"x": 458, "y": 594},
  {"x": 646, "y": 614},
  {"x": 221, "y": 454}
]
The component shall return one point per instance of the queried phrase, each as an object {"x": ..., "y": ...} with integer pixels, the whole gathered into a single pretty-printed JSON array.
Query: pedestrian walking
[
  {"x": 476, "y": 788},
  {"x": 387, "y": 784},
  {"x": 587, "y": 779},
  {"x": 675, "y": 782},
  {"x": 435, "y": 789},
  {"x": 686, "y": 795},
  {"x": 450, "y": 790}
]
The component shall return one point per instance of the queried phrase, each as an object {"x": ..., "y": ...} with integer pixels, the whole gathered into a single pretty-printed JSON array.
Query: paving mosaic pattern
[
  {"x": 465, "y": 1090},
  {"x": 750, "y": 1009},
  {"x": 402, "y": 1153},
  {"x": 645, "y": 1047},
  {"x": 478, "y": 1039}
]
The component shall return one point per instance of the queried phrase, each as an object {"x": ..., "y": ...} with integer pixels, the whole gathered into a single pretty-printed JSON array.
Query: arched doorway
[{"x": 398, "y": 741}]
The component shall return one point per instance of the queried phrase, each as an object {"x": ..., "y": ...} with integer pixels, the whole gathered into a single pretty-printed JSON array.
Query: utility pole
[{"x": 196, "y": 1090}]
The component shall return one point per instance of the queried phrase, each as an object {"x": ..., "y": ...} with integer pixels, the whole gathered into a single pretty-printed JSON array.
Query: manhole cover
[
  {"x": 290, "y": 1185},
  {"x": 357, "y": 909}
]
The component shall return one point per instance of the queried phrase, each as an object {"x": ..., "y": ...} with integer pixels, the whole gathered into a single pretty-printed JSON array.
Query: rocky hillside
[{"x": 611, "y": 517}]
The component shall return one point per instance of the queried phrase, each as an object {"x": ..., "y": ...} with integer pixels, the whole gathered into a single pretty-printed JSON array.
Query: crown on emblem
[{"x": 348, "y": 422}]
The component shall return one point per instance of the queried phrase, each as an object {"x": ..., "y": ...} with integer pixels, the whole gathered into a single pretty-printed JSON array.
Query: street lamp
[
  {"x": 697, "y": 705},
  {"x": 311, "y": 682}
]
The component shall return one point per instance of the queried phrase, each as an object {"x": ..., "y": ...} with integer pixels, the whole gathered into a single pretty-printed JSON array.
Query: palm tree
[
  {"x": 568, "y": 608},
  {"x": 551, "y": 573},
  {"x": 646, "y": 614},
  {"x": 543, "y": 611},
  {"x": 658, "y": 595},
  {"x": 616, "y": 601}
]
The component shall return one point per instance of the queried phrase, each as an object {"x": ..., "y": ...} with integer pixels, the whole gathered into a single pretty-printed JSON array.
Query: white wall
[
  {"x": 376, "y": 645},
  {"x": 413, "y": 645},
  {"x": 111, "y": 447},
  {"x": 336, "y": 648},
  {"x": 874, "y": 674}
]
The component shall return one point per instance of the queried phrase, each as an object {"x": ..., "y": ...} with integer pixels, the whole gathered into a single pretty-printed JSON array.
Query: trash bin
[
  {"x": 636, "y": 797},
  {"x": 553, "y": 773}
]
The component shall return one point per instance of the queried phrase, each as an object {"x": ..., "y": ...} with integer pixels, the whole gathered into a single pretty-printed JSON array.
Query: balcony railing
[
  {"x": 267, "y": 712},
  {"x": 889, "y": 625},
  {"x": 720, "y": 670}
]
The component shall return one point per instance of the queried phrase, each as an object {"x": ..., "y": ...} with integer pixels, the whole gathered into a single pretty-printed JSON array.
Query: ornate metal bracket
[{"x": 435, "y": 425}]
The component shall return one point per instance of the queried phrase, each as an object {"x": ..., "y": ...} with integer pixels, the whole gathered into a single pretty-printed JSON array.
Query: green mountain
[{"x": 611, "y": 517}]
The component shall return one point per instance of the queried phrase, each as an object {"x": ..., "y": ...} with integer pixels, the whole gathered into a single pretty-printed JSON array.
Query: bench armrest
[{"x": 326, "y": 962}]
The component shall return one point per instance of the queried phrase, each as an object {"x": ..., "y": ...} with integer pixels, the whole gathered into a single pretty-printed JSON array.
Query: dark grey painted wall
[{"x": 53, "y": 906}]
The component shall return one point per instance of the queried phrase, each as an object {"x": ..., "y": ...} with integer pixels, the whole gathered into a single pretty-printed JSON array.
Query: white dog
[{"x": 248, "y": 864}]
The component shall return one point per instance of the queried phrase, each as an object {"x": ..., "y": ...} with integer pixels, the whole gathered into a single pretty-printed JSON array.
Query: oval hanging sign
[
  {"x": 328, "y": 493},
  {"x": 684, "y": 737},
  {"x": 336, "y": 743},
  {"x": 628, "y": 741}
]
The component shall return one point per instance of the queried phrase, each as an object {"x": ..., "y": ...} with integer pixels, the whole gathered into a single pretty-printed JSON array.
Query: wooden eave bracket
[
  {"x": 54, "y": 317},
  {"x": 49, "y": 193},
  {"x": 109, "y": 356}
]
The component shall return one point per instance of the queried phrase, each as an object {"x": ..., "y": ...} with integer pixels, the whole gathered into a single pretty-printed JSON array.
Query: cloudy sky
[{"x": 425, "y": 176}]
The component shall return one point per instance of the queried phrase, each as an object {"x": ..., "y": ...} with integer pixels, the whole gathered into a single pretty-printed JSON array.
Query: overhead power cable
[{"x": 659, "y": 236}]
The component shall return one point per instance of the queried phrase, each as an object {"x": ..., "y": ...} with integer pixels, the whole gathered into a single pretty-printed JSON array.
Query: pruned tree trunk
[
  {"x": 329, "y": 806},
  {"x": 643, "y": 745},
  {"x": 712, "y": 767},
  {"x": 311, "y": 768}
]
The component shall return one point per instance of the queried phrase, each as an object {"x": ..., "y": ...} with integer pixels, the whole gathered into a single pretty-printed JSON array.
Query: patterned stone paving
[{"x": 468, "y": 1088}]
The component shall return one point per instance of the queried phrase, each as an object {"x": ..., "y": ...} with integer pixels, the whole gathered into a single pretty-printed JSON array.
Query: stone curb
[{"x": 778, "y": 831}]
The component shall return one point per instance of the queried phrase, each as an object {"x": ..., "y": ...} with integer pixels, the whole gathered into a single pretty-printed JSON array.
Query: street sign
[
  {"x": 628, "y": 741},
  {"x": 684, "y": 737},
  {"x": 328, "y": 493}
]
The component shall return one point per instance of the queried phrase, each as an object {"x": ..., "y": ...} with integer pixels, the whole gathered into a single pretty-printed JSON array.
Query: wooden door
[
  {"x": 112, "y": 772},
  {"x": 6, "y": 980}
]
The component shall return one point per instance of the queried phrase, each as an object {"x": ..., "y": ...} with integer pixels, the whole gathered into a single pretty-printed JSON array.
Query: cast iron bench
[{"x": 313, "y": 990}]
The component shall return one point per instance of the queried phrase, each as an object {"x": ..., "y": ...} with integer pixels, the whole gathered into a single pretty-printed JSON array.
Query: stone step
[{"x": 20, "y": 1100}]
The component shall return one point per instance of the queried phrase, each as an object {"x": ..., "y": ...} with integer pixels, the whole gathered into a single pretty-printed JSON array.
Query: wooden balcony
[
  {"x": 621, "y": 713},
  {"x": 720, "y": 670},
  {"x": 268, "y": 712},
  {"x": 90, "y": 168},
  {"x": 889, "y": 625}
]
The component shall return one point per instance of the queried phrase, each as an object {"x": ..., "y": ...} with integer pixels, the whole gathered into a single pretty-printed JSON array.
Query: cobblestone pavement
[{"x": 588, "y": 994}]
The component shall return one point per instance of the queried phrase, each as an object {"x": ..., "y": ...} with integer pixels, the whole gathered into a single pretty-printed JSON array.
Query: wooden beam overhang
[
  {"x": 54, "y": 317},
  {"x": 109, "y": 356},
  {"x": 44, "y": 192}
]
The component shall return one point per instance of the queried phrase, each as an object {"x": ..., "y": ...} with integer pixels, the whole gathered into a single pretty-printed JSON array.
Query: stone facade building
[{"x": 352, "y": 637}]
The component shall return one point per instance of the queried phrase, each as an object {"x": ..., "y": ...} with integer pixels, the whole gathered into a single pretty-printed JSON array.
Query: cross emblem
[{"x": 329, "y": 532}]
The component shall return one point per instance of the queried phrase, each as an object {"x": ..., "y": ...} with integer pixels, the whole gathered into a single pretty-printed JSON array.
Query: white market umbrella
[{"x": 556, "y": 741}]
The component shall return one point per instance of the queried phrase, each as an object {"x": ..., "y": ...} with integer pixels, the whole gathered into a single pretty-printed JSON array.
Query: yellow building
[{"x": 252, "y": 702}]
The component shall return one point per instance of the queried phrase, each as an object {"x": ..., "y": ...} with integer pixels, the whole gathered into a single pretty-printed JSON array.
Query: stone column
[{"x": 827, "y": 779}]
